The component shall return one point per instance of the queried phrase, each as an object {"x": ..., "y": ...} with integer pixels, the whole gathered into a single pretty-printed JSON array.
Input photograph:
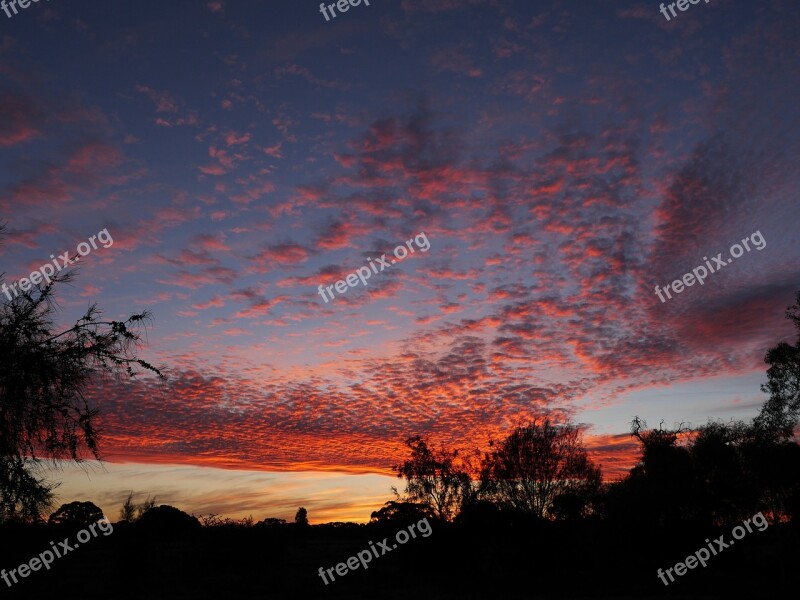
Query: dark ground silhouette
[{"x": 487, "y": 556}]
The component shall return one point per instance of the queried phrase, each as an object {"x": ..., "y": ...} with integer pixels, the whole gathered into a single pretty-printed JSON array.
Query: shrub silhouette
[{"x": 167, "y": 519}]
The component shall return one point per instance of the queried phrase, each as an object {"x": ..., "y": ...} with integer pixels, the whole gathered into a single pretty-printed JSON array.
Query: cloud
[
  {"x": 164, "y": 100},
  {"x": 22, "y": 118},
  {"x": 282, "y": 254},
  {"x": 293, "y": 69}
]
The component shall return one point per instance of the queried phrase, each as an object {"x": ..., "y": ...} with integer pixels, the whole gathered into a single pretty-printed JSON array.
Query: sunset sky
[{"x": 561, "y": 157}]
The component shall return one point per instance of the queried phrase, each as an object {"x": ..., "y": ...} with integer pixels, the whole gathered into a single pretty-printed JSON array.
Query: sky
[{"x": 549, "y": 163}]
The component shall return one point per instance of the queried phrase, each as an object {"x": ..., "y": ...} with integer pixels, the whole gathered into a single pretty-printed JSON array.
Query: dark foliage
[
  {"x": 45, "y": 413},
  {"x": 167, "y": 519},
  {"x": 76, "y": 514}
]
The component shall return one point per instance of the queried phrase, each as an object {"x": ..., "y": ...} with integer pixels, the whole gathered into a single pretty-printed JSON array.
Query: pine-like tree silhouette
[{"x": 44, "y": 376}]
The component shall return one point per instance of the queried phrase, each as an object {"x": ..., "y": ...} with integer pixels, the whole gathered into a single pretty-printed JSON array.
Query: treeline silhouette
[{"x": 528, "y": 517}]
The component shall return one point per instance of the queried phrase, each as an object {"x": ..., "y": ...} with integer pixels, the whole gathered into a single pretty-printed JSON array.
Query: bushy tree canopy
[
  {"x": 539, "y": 463},
  {"x": 44, "y": 377},
  {"x": 434, "y": 477},
  {"x": 77, "y": 514}
]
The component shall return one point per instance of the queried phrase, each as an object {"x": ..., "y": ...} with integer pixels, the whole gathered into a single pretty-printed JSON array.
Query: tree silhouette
[
  {"x": 131, "y": 512},
  {"x": 44, "y": 376},
  {"x": 401, "y": 512},
  {"x": 23, "y": 495},
  {"x": 780, "y": 413},
  {"x": 145, "y": 506},
  {"x": 301, "y": 517},
  {"x": 433, "y": 477},
  {"x": 127, "y": 514},
  {"x": 658, "y": 491},
  {"x": 725, "y": 486},
  {"x": 77, "y": 514},
  {"x": 538, "y": 463},
  {"x": 271, "y": 522}
]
